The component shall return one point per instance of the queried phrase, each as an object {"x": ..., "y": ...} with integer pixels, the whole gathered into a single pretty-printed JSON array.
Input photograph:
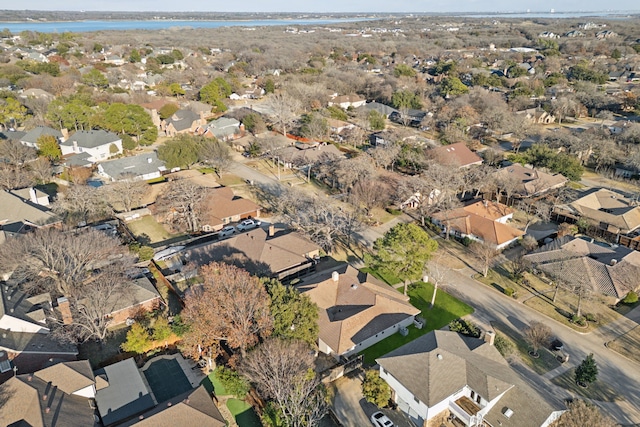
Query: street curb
[{"x": 606, "y": 344}]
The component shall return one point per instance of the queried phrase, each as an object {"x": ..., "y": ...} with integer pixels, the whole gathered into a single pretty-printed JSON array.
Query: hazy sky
[{"x": 327, "y": 5}]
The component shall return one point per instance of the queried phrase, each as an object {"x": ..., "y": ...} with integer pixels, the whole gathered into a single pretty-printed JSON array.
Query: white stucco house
[
  {"x": 95, "y": 145},
  {"x": 141, "y": 167},
  {"x": 444, "y": 374}
]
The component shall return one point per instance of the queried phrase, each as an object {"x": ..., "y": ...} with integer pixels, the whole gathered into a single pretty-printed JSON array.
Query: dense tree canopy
[{"x": 295, "y": 316}]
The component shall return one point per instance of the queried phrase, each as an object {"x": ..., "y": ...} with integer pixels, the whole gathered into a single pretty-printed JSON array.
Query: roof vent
[
  {"x": 354, "y": 286},
  {"x": 507, "y": 412},
  {"x": 168, "y": 404},
  {"x": 439, "y": 356},
  {"x": 335, "y": 276},
  {"x": 613, "y": 262}
]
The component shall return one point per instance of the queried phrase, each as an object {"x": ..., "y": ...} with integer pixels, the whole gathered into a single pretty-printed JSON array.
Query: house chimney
[
  {"x": 75, "y": 146},
  {"x": 32, "y": 195},
  {"x": 65, "y": 310},
  {"x": 47, "y": 409},
  {"x": 335, "y": 276},
  {"x": 65, "y": 134},
  {"x": 272, "y": 230},
  {"x": 489, "y": 337},
  {"x": 149, "y": 160}
]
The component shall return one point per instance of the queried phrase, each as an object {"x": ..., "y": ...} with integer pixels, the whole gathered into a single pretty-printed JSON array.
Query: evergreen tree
[{"x": 587, "y": 371}]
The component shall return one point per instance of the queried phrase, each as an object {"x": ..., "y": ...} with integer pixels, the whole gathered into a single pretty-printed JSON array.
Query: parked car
[
  {"x": 557, "y": 345},
  {"x": 167, "y": 253},
  {"x": 381, "y": 420},
  {"x": 248, "y": 224},
  {"x": 227, "y": 231}
]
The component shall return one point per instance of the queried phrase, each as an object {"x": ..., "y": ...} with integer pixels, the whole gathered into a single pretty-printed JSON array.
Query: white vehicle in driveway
[
  {"x": 227, "y": 231},
  {"x": 167, "y": 253},
  {"x": 248, "y": 224},
  {"x": 381, "y": 420}
]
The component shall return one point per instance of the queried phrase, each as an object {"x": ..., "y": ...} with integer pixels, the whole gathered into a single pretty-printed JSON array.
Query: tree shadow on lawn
[
  {"x": 244, "y": 414},
  {"x": 598, "y": 390}
]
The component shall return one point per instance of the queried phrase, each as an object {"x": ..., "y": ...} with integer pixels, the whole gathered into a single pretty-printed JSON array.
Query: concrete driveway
[{"x": 351, "y": 408}]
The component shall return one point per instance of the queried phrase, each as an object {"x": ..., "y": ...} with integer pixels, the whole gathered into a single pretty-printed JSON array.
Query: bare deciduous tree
[
  {"x": 537, "y": 335},
  {"x": 41, "y": 170},
  {"x": 283, "y": 371},
  {"x": 12, "y": 177},
  {"x": 126, "y": 194},
  {"x": 81, "y": 204},
  {"x": 215, "y": 154},
  {"x": 284, "y": 109},
  {"x": 62, "y": 261},
  {"x": 180, "y": 204},
  {"x": 582, "y": 414},
  {"x": 486, "y": 253},
  {"x": 231, "y": 305}
]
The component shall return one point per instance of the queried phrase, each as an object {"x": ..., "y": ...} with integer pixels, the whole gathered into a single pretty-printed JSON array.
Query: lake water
[{"x": 86, "y": 26}]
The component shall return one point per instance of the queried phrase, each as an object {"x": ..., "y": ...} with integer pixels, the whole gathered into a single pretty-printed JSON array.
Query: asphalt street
[{"x": 491, "y": 305}]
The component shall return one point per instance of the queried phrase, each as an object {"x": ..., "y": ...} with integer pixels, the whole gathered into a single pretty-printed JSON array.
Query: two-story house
[{"x": 93, "y": 145}]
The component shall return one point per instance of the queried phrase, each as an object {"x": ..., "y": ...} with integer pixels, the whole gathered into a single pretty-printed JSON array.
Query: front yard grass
[
  {"x": 627, "y": 344},
  {"x": 539, "y": 296},
  {"x": 148, "y": 230},
  {"x": 229, "y": 179},
  {"x": 388, "y": 278},
  {"x": 543, "y": 364},
  {"x": 598, "y": 390},
  {"x": 243, "y": 413},
  {"x": 446, "y": 309}
]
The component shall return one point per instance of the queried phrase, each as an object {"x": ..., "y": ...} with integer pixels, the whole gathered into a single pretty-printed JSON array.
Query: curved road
[{"x": 620, "y": 373}]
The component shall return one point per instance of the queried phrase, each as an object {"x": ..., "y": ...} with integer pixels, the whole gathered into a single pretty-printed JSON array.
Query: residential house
[
  {"x": 338, "y": 126},
  {"x": 484, "y": 221},
  {"x": 93, "y": 145},
  {"x": 303, "y": 155},
  {"x": 346, "y": 101},
  {"x": 607, "y": 270},
  {"x": 444, "y": 374},
  {"x": 24, "y": 333},
  {"x": 408, "y": 117},
  {"x": 610, "y": 212},
  {"x": 538, "y": 116},
  {"x": 282, "y": 255},
  {"x": 223, "y": 129},
  {"x": 141, "y": 167},
  {"x": 194, "y": 407},
  {"x": 182, "y": 121},
  {"x": 30, "y": 139},
  {"x": 458, "y": 155},
  {"x": 529, "y": 181},
  {"x": 122, "y": 393},
  {"x": 139, "y": 296},
  {"x": 22, "y": 210},
  {"x": 36, "y": 93},
  {"x": 383, "y": 109},
  {"x": 355, "y": 309},
  {"x": 222, "y": 207},
  {"x": 55, "y": 396}
]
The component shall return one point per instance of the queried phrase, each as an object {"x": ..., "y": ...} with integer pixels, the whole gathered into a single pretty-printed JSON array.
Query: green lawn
[
  {"x": 213, "y": 385},
  {"x": 598, "y": 390},
  {"x": 244, "y": 414},
  {"x": 389, "y": 279},
  {"x": 147, "y": 230},
  {"x": 446, "y": 309},
  {"x": 543, "y": 364}
]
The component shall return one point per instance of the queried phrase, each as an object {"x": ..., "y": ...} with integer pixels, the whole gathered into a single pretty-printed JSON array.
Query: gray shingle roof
[
  {"x": 35, "y": 133},
  {"x": 609, "y": 270},
  {"x": 91, "y": 138},
  {"x": 126, "y": 396},
  {"x": 139, "y": 165},
  {"x": 16, "y": 209},
  {"x": 183, "y": 119},
  {"x": 440, "y": 363}
]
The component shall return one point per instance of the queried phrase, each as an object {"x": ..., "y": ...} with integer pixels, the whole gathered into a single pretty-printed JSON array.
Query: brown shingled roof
[
  {"x": 457, "y": 154},
  {"x": 221, "y": 203},
  {"x": 355, "y": 308}
]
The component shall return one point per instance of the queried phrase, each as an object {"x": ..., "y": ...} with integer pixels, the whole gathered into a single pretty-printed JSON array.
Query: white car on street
[{"x": 248, "y": 224}]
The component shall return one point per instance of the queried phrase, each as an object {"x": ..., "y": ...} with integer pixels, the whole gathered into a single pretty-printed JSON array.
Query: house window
[
  {"x": 416, "y": 399},
  {"x": 5, "y": 366},
  {"x": 473, "y": 395},
  {"x": 385, "y": 371},
  {"x": 478, "y": 399}
]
